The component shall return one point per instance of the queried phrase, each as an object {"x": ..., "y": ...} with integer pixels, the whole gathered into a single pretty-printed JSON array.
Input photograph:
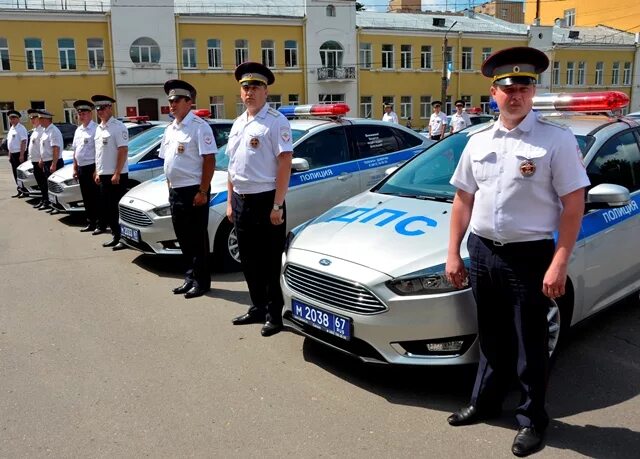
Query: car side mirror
[
  {"x": 607, "y": 195},
  {"x": 299, "y": 165}
]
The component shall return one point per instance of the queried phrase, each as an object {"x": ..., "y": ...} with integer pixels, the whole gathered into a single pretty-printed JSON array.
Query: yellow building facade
[{"x": 619, "y": 15}]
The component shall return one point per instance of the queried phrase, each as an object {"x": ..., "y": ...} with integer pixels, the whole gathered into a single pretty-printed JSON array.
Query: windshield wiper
[{"x": 435, "y": 198}]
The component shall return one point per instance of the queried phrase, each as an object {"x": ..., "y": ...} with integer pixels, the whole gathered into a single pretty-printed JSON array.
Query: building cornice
[
  {"x": 54, "y": 74},
  {"x": 452, "y": 35},
  {"x": 239, "y": 20},
  {"x": 40, "y": 16}
]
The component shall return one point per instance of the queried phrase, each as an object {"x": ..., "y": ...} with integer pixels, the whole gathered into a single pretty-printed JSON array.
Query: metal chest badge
[
  {"x": 180, "y": 148},
  {"x": 527, "y": 168},
  {"x": 254, "y": 142}
]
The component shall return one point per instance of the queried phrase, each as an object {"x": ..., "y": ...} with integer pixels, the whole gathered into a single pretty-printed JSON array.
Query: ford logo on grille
[
  {"x": 325, "y": 262},
  {"x": 131, "y": 201}
]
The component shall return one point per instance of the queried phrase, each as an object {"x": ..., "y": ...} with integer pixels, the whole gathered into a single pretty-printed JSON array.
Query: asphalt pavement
[{"x": 99, "y": 359}]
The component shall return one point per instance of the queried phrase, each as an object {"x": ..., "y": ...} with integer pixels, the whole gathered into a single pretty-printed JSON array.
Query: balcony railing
[{"x": 336, "y": 73}]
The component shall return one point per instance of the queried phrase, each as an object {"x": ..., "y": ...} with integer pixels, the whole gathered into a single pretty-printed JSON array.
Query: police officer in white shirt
[
  {"x": 51, "y": 145},
  {"x": 460, "y": 119},
  {"x": 389, "y": 115},
  {"x": 519, "y": 180},
  {"x": 437, "y": 121},
  {"x": 188, "y": 148},
  {"x": 17, "y": 144},
  {"x": 112, "y": 168},
  {"x": 34, "y": 153},
  {"x": 260, "y": 150},
  {"x": 84, "y": 161}
]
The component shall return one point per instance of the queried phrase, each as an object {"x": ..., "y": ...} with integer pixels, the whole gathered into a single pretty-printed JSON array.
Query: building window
[
  {"x": 240, "y": 108},
  {"x": 33, "y": 50},
  {"x": 406, "y": 107},
  {"x": 486, "y": 52},
  {"x": 38, "y": 104},
  {"x": 331, "y": 11},
  {"x": 425, "y": 57},
  {"x": 274, "y": 101},
  {"x": 290, "y": 53},
  {"x": 294, "y": 99},
  {"x": 331, "y": 54},
  {"x": 67, "y": 53},
  {"x": 626, "y": 74},
  {"x": 5, "y": 63},
  {"x": 467, "y": 54},
  {"x": 556, "y": 73},
  {"x": 366, "y": 106},
  {"x": 214, "y": 53},
  {"x": 484, "y": 104},
  {"x": 70, "y": 114},
  {"x": 6, "y": 107},
  {"x": 95, "y": 49},
  {"x": 189, "y": 53},
  {"x": 570, "y": 68},
  {"x": 449, "y": 56},
  {"x": 365, "y": 55},
  {"x": 216, "y": 106},
  {"x": 599, "y": 72},
  {"x": 581, "y": 73},
  {"x": 504, "y": 12},
  {"x": 405, "y": 56},
  {"x": 268, "y": 53},
  {"x": 615, "y": 73},
  {"x": 144, "y": 50},
  {"x": 570, "y": 17},
  {"x": 330, "y": 98},
  {"x": 387, "y": 56},
  {"x": 425, "y": 107},
  {"x": 242, "y": 51}
]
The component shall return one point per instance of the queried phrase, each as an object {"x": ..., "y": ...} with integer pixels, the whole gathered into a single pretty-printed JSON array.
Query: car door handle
[{"x": 344, "y": 176}]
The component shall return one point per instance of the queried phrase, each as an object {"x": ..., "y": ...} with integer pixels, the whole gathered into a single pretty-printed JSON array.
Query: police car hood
[
  {"x": 391, "y": 234},
  {"x": 154, "y": 192},
  {"x": 63, "y": 174}
]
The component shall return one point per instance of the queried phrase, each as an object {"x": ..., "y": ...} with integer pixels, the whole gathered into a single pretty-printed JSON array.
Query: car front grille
[
  {"x": 54, "y": 187},
  {"x": 134, "y": 216},
  {"x": 333, "y": 291},
  {"x": 21, "y": 174}
]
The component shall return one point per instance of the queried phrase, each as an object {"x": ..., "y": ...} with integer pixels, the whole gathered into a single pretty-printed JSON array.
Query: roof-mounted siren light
[
  {"x": 604, "y": 101},
  {"x": 202, "y": 112},
  {"x": 338, "y": 109}
]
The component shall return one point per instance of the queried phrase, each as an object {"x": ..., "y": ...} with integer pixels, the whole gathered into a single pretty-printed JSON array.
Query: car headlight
[
  {"x": 291, "y": 235},
  {"x": 163, "y": 211},
  {"x": 429, "y": 281},
  {"x": 72, "y": 181}
]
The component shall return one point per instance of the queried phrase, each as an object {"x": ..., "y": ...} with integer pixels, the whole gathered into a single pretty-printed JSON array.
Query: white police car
[
  {"x": 367, "y": 277},
  {"x": 334, "y": 158}
]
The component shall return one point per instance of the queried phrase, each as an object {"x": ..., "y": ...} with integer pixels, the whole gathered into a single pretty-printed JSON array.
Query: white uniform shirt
[
  {"x": 390, "y": 117},
  {"x": 436, "y": 121},
  {"x": 15, "y": 136},
  {"x": 253, "y": 150},
  {"x": 84, "y": 147},
  {"x": 34, "y": 144},
  {"x": 459, "y": 122},
  {"x": 510, "y": 205},
  {"x": 108, "y": 139},
  {"x": 183, "y": 146},
  {"x": 51, "y": 137}
]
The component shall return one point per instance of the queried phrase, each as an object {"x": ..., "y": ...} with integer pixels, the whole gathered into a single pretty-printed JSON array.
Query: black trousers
[
  {"x": 14, "y": 159},
  {"x": 90, "y": 193},
  {"x": 261, "y": 244},
  {"x": 190, "y": 224},
  {"x": 110, "y": 194},
  {"x": 512, "y": 324},
  {"x": 47, "y": 172},
  {"x": 41, "y": 180}
]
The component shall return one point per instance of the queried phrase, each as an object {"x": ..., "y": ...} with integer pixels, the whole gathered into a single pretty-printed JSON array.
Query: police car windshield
[{"x": 145, "y": 139}]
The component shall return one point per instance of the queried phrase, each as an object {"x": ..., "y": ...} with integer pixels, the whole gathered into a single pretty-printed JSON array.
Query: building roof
[{"x": 598, "y": 35}]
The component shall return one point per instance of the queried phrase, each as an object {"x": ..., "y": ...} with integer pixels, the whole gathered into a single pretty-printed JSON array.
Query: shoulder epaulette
[
  {"x": 551, "y": 122},
  {"x": 197, "y": 119},
  {"x": 273, "y": 112}
]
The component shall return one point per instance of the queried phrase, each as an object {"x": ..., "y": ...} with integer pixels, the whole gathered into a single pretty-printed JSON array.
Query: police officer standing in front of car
[
  {"x": 17, "y": 138},
  {"x": 519, "y": 180},
  {"x": 34, "y": 154},
  {"x": 188, "y": 148},
  {"x": 51, "y": 145},
  {"x": 260, "y": 152},
  {"x": 84, "y": 161},
  {"x": 437, "y": 121},
  {"x": 112, "y": 167}
]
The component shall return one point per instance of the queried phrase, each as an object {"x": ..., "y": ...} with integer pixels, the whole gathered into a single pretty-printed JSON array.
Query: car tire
[
  {"x": 559, "y": 321},
  {"x": 226, "y": 256}
]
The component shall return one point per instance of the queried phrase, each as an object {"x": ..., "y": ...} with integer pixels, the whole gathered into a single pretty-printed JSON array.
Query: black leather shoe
[
  {"x": 112, "y": 243},
  {"x": 88, "y": 228},
  {"x": 184, "y": 288},
  {"x": 54, "y": 212},
  {"x": 45, "y": 206},
  {"x": 118, "y": 246},
  {"x": 195, "y": 292},
  {"x": 17, "y": 195},
  {"x": 23, "y": 195},
  {"x": 248, "y": 318},
  {"x": 270, "y": 329},
  {"x": 98, "y": 231},
  {"x": 470, "y": 415},
  {"x": 528, "y": 440},
  {"x": 38, "y": 204}
]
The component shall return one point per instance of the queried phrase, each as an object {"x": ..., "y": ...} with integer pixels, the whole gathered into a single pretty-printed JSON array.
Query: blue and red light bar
[
  {"x": 339, "y": 109},
  {"x": 604, "y": 101}
]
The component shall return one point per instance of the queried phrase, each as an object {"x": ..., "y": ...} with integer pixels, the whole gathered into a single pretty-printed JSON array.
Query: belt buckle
[{"x": 498, "y": 243}]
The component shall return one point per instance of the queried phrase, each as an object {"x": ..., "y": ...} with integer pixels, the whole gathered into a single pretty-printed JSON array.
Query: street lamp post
[{"x": 443, "y": 88}]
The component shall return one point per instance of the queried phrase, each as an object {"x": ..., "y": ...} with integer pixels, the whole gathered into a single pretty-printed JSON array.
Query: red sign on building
[{"x": 132, "y": 111}]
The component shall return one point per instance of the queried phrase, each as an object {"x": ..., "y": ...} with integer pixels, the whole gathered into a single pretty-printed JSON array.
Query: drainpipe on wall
[
  {"x": 175, "y": 21},
  {"x": 304, "y": 64},
  {"x": 111, "y": 60}
]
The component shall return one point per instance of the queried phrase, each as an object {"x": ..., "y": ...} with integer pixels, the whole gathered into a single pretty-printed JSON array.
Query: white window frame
[
  {"x": 599, "y": 73},
  {"x": 4, "y": 54},
  {"x": 31, "y": 55},
  {"x": 214, "y": 53},
  {"x": 148, "y": 49},
  {"x": 366, "y": 54},
  {"x": 290, "y": 54},
  {"x": 466, "y": 61},
  {"x": 556, "y": 73},
  {"x": 216, "y": 107},
  {"x": 330, "y": 98},
  {"x": 387, "y": 56},
  {"x": 425, "y": 107},
  {"x": 570, "y": 17},
  {"x": 241, "y": 51},
  {"x": 366, "y": 106},
  {"x": 582, "y": 72},
  {"x": 268, "y": 53},
  {"x": 294, "y": 99},
  {"x": 65, "y": 53},
  {"x": 426, "y": 58},
  {"x": 486, "y": 52},
  {"x": 570, "y": 73},
  {"x": 485, "y": 104},
  {"x": 240, "y": 107},
  {"x": 95, "y": 53},
  {"x": 274, "y": 101},
  {"x": 406, "y": 107},
  {"x": 615, "y": 73},
  {"x": 406, "y": 56},
  {"x": 189, "y": 54},
  {"x": 331, "y": 11},
  {"x": 626, "y": 74}
]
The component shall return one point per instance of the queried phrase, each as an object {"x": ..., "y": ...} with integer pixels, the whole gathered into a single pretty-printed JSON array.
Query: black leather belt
[{"x": 523, "y": 244}]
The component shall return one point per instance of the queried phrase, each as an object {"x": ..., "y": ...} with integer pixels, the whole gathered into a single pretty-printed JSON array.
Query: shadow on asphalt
[{"x": 598, "y": 369}]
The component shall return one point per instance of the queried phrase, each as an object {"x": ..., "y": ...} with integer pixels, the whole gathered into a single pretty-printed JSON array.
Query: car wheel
[
  {"x": 559, "y": 322},
  {"x": 226, "y": 254}
]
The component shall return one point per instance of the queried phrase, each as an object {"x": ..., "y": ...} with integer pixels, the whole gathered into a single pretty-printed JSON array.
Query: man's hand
[
  {"x": 75, "y": 172},
  {"x": 229, "y": 212},
  {"x": 200, "y": 199},
  {"x": 115, "y": 178},
  {"x": 276, "y": 217},
  {"x": 21, "y": 158},
  {"x": 555, "y": 279},
  {"x": 96, "y": 178},
  {"x": 455, "y": 271},
  {"x": 52, "y": 168}
]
